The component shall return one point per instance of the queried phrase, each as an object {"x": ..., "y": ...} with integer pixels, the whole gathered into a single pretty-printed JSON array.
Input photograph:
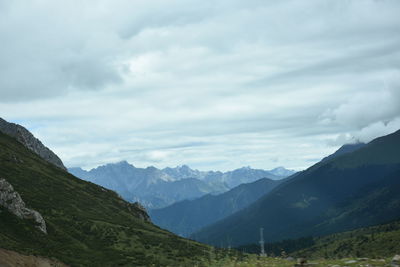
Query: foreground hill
[
  {"x": 188, "y": 216},
  {"x": 352, "y": 190},
  {"x": 86, "y": 225},
  {"x": 371, "y": 242}
]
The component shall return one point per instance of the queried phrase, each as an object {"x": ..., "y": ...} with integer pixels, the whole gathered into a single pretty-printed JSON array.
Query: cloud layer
[{"x": 216, "y": 85}]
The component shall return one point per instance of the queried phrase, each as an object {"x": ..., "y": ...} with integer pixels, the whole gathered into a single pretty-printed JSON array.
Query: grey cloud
[
  {"x": 174, "y": 146},
  {"x": 219, "y": 84},
  {"x": 384, "y": 57}
]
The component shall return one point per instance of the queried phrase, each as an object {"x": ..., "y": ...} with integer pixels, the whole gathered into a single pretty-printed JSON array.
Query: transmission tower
[{"x": 262, "y": 252}]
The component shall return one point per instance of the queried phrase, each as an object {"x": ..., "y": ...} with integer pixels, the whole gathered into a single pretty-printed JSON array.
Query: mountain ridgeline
[
  {"x": 158, "y": 188},
  {"x": 22, "y": 135},
  {"x": 349, "y": 190},
  {"x": 345, "y": 149},
  {"x": 187, "y": 216}
]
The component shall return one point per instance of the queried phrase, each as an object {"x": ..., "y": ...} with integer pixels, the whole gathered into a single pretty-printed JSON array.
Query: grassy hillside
[
  {"x": 372, "y": 242},
  {"x": 378, "y": 241},
  {"x": 87, "y": 224},
  {"x": 354, "y": 190}
]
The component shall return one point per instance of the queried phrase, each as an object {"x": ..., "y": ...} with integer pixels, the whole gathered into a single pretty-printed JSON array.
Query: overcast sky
[{"x": 211, "y": 84}]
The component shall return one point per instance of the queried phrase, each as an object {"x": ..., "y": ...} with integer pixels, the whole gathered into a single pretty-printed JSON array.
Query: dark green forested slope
[
  {"x": 349, "y": 191},
  {"x": 87, "y": 225},
  {"x": 188, "y": 216}
]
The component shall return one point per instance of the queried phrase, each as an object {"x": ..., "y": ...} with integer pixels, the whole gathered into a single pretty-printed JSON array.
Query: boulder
[
  {"x": 12, "y": 201},
  {"x": 395, "y": 261}
]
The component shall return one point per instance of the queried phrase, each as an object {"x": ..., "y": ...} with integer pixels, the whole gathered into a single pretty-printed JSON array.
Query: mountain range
[
  {"x": 349, "y": 190},
  {"x": 48, "y": 215},
  {"x": 158, "y": 188}
]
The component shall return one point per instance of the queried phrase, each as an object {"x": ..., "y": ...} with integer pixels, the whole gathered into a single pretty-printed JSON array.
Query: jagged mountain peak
[
  {"x": 122, "y": 163},
  {"x": 282, "y": 171},
  {"x": 183, "y": 167},
  {"x": 244, "y": 168}
]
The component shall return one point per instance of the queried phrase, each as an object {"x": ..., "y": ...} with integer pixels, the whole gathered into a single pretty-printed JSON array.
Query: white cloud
[
  {"x": 377, "y": 129},
  {"x": 218, "y": 84}
]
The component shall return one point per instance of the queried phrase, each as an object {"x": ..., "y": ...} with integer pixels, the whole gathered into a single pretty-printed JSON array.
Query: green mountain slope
[
  {"x": 188, "y": 216},
  {"x": 330, "y": 196},
  {"x": 87, "y": 225},
  {"x": 371, "y": 242},
  {"x": 378, "y": 241}
]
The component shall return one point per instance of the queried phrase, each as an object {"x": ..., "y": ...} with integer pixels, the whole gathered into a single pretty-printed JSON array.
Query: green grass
[
  {"x": 376, "y": 241},
  {"x": 256, "y": 261}
]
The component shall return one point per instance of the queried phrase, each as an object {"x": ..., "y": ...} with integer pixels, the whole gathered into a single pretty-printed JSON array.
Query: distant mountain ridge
[
  {"x": 352, "y": 190},
  {"x": 282, "y": 172},
  {"x": 158, "y": 188},
  {"x": 31, "y": 142},
  {"x": 188, "y": 216}
]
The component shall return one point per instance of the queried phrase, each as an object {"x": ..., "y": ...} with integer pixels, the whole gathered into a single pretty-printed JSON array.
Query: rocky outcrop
[
  {"x": 31, "y": 142},
  {"x": 395, "y": 261},
  {"x": 141, "y": 212},
  {"x": 12, "y": 201}
]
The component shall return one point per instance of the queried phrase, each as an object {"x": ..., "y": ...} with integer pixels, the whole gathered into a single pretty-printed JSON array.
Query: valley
[
  {"x": 189, "y": 133},
  {"x": 346, "y": 206}
]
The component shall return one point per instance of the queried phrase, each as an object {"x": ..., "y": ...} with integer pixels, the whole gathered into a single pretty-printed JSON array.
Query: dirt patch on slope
[{"x": 14, "y": 259}]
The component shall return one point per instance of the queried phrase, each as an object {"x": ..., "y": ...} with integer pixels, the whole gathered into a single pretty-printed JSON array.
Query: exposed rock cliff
[
  {"x": 31, "y": 142},
  {"x": 141, "y": 213},
  {"x": 12, "y": 201}
]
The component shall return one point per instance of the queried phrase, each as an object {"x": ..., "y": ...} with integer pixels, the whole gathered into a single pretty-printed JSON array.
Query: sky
[{"x": 216, "y": 85}]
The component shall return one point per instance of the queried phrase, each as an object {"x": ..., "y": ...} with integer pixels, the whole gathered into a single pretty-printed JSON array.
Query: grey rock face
[
  {"x": 31, "y": 142},
  {"x": 142, "y": 214},
  {"x": 395, "y": 261},
  {"x": 13, "y": 202}
]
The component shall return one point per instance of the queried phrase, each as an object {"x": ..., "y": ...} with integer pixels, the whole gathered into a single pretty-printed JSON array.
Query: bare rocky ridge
[
  {"x": 12, "y": 201},
  {"x": 31, "y": 142}
]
